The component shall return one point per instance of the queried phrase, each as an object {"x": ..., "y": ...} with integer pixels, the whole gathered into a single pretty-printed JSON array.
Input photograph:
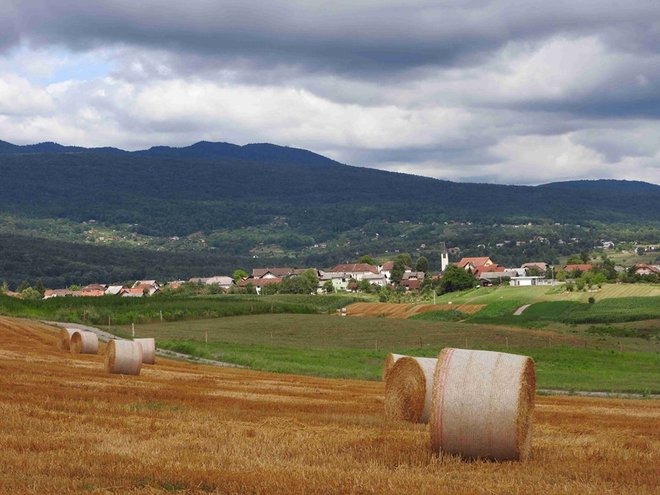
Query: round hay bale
[
  {"x": 148, "y": 350},
  {"x": 482, "y": 404},
  {"x": 84, "y": 342},
  {"x": 123, "y": 357},
  {"x": 389, "y": 363},
  {"x": 409, "y": 389},
  {"x": 64, "y": 342}
]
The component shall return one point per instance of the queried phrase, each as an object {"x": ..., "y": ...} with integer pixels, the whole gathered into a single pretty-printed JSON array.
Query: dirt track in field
[
  {"x": 399, "y": 310},
  {"x": 67, "y": 427}
]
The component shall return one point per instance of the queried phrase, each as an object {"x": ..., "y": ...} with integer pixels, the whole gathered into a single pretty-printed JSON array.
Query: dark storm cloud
[{"x": 357, "y": 38}]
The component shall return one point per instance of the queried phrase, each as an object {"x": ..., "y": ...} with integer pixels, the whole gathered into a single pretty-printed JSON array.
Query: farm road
[
  {"x": 520, "y": 310},
  {"x": 107, "y": 336}
]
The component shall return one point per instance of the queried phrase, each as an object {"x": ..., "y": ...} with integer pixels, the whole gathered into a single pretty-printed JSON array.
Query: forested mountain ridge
[
  {"x": 286, "y": 205},
  {"x": 265, "y": 152}
]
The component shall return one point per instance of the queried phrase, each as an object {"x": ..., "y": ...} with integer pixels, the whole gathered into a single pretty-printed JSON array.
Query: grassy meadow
[
  {"x": 122, "y": 310},
  {"x": 618, "y": 357}
]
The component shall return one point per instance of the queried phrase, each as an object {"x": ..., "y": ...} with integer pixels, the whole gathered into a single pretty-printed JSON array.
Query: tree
[
  {"x": 31, "y": 294},
  {"x": 405, "y": 258},
  {"x": 533, "y": 271},
  {"x": 422, "y": 264},
  {"x": 455, "y": 279},
  {"x": 4, "y": 287},
  {"x": 397, "y": 270},
  {"x": 328, "y": 287},
  {"x": 584, "y": 257},
  {"x": 353, "y": 285},
  {"x": 239, "y": 275},
  {"x": 364, "y": 286},
  {"x": 368, "y": 259},
  {"x": 24, "y": 285},
  {"x": 312, "y": 278},
  {"x": 74, "y": 287},
  {"x": 39, "y": 287}
]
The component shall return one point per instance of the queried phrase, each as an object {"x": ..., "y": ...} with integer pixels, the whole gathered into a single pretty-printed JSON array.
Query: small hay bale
[
  {"x": 389, "y": 363},
  {"x": 84, "y": 342},
  {"x": 64, "y": 343},
  {"x": 482, "y": 404},
  {"x": 148, "y": 350},
  {"x": 123, "y": 357},
  {"x": 409, "y": 389}
]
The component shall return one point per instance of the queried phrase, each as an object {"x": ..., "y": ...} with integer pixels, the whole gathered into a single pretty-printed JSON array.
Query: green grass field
[
  {"x": 614, "y": 358},
  {"x": 120, "y": 310}
]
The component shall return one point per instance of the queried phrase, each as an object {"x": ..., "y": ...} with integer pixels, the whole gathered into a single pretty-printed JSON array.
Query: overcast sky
[{"x": 506, "y": 91}]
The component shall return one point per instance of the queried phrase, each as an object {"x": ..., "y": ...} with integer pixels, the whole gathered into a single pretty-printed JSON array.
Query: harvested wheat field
[
  {"x": 400, "y": 310},
  {"x": 68, "y": 427}
]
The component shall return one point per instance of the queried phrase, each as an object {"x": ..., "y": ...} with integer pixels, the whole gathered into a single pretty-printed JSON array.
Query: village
[{"x": 365, "y": 275}]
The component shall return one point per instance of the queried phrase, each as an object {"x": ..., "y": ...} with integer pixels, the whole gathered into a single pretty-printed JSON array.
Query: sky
[{"x": 502, "y": 91}]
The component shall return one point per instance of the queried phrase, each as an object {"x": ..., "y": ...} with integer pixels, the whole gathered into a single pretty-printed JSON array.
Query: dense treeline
[
  {"x": 167, "y": 196},
  {"x": 59, "y": 264}
]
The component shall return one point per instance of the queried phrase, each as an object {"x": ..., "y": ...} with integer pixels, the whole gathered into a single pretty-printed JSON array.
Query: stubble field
[{"x": 67, "y": 427}]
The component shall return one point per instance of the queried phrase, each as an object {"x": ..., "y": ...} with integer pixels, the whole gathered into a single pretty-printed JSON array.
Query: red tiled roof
[
  {"x": 277, "y": 271},
  {"x": 411, "y": 284},
  {"x": 583, "y": 267},
  {"x": 478, "y": 261},
  {"x": 355, "y": 267},
  {"x": 388, "y": 265},
  {"x": 644, "y": 266}
]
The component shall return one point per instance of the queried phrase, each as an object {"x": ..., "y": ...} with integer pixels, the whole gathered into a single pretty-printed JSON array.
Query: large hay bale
[
  {"x": 482, "y": 404},
  {"x": 64, "y": 342},
  {"x": 83, "y": 342},
  {"x": 389, "y": 362},
  {"x": 148, "y": 350},
  {"x": 123, "y": 357},
  {"x": 409, "y": 389}
]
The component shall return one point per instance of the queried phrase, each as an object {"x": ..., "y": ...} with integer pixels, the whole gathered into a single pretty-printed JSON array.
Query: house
[
  {"x": 527, "y": 280},
  {"x": 175, "y": 284},
  {"x": 133, "y": 292},
  {"x": 584, "y": 267},
  {"x": 410, "y": 275},
  {"x": 93, "y": 290},
  {"x": 339, "y": 280},
  {"x": 259, "y": 283},
  {"x": 114, "y": 290},
  {"x": 472, "y": 263},
  {"x": 542, "y": 266},
  {"x": 375, "y": 279},
  {"x": 494, "y": 268},
  {"x": 278, "y": 272},
  {"x": 645, "y": 269},
  {"x": 149, "y": 287},
  {"x": 355, "y": 270},
  {"x": 411, "y": 283},
  {"x": 221, "y": 280},
  {"x": 386, "y": 269},
  {"x": 50, "y": 293}
]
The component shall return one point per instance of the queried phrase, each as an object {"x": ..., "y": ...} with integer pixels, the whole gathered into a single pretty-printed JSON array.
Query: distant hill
[
  {"x": 604, "y": 185},
  {"x": 259, "y": 152},
  {"x": 265, "y": 202}
]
